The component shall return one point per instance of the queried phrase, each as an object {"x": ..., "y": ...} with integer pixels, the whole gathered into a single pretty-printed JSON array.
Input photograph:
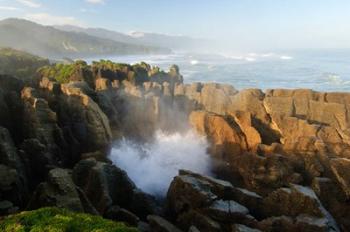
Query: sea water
[
  {"x": 321, "y": 70},
  {"x": 152, "y": 166}
]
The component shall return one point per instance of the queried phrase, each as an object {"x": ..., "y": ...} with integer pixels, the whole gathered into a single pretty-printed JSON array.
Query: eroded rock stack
[{"x": 284, "y": 154}]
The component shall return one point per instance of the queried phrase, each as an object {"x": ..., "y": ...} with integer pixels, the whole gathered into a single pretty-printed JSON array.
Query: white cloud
[
  {"x": 29, "y": 3},
  {"x": 47, "y": 19},
  {"x": 9, "y": 8},
  {"x": 95, "y": 1}
]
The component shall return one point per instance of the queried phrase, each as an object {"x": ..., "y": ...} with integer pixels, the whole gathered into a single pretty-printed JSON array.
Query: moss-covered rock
[
  {"x": 63, "y": 73},
  {"x": 59, "y": 220}
]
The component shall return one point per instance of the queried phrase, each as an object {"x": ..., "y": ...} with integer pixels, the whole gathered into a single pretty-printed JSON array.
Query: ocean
[{"x": 321, "y": 70}]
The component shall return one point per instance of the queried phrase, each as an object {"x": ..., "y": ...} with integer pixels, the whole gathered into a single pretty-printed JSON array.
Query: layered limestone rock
[
  {"x": 340, "y": 168},
  {"x": 92, "y": 125},
  {"x": 224, "y": 133},
  {"x": 13, "y": 176},
  {"x": 266, "y": 144},
  {"x": 302, "y": 204},
  {"x": 105, "y": 185},
  {"x": 59, "y": 191},
  {"x": 40, "y": 121},
  {"x": 210, "y": 204}
]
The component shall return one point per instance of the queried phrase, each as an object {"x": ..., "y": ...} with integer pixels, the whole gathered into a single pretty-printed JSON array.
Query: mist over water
[
  {"x": 152, "y": 166},
  {"x": 322, "y": 70}
]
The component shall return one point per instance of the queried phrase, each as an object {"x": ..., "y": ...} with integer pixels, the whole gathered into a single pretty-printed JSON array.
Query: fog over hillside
[
  {"x": 174, "y": 42},
  {"x": 50, "y": 42}
]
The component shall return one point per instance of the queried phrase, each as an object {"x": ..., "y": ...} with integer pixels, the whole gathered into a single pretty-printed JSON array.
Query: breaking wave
[{"x": 152, "y": 166}]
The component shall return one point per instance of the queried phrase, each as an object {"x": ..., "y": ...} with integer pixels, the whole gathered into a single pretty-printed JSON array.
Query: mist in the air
[{"x": 152, "y": 166}]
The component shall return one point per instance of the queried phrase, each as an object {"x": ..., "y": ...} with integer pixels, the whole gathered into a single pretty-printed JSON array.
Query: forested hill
[{"x": 50, "y": 42}]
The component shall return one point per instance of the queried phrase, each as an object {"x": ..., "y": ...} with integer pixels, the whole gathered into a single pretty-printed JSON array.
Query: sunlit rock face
[{"x": 132, "y": 127}]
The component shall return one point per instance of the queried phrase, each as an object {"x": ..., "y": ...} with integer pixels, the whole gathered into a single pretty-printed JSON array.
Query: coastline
[{"x": 276, "y": 148}]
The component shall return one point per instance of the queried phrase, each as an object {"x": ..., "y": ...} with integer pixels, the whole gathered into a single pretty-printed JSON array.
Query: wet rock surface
[
  {"x": 282, "y": 155},
  {"x": 212, "y": 205}
]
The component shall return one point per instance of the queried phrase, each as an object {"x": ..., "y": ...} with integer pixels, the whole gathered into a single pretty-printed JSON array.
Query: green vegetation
[
  {"x": 59, "y": 220},
  {"x": 80, "y": 70},
  {"x": 110, "y": 65},
  {"x": 62, "y": 72},
  {"x": 20, "y": 64}
]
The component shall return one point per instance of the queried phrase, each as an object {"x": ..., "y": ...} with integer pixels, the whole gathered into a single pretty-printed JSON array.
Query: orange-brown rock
[
  {"x": 224, "y": 133},
  {"x": 265, "y": 173},
  {"x": 244, "y": 120}
]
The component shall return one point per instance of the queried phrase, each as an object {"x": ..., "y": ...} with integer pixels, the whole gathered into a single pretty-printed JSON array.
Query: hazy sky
[{"x": 250, "y": 24}]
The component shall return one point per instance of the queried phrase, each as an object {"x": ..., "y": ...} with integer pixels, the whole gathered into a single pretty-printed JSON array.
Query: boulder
[
  {"x": 249, "y": 199},
  {"x": 301, "y": 203},
  {"x": 227, "y": 210},
  {"x": 159, "y": 224},
  {"x": 205, "y": 202},
  {"x": 104, "y": 184},
  {"x": 196, "y": 219},
  {"x": 58, "y": 191},
  {"x": 143, "y": 204},
  {"x": 122, "y": 215},
  {"x": 186, "y": 192}
]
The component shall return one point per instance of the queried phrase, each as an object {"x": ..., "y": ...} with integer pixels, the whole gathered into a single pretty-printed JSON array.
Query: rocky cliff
[{"x": 283, "y": 155}]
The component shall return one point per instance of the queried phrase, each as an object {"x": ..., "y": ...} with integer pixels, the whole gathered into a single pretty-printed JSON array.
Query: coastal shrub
[
  {"x": 62, "y": 72},
  {"x": 60, "y": 220},
  {"x": 136, "y": 73},
  {"x": 110, "y": 65}
]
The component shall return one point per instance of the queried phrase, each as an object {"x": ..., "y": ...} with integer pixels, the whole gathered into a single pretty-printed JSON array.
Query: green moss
[{"x": 59, "y": 220}]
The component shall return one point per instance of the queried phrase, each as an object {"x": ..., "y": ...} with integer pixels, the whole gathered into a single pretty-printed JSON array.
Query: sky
[{"x": 250, "y": 24}]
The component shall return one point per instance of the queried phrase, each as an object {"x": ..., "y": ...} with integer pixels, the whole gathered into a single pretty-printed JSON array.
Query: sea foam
[{"x": 152, "y": 166}]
